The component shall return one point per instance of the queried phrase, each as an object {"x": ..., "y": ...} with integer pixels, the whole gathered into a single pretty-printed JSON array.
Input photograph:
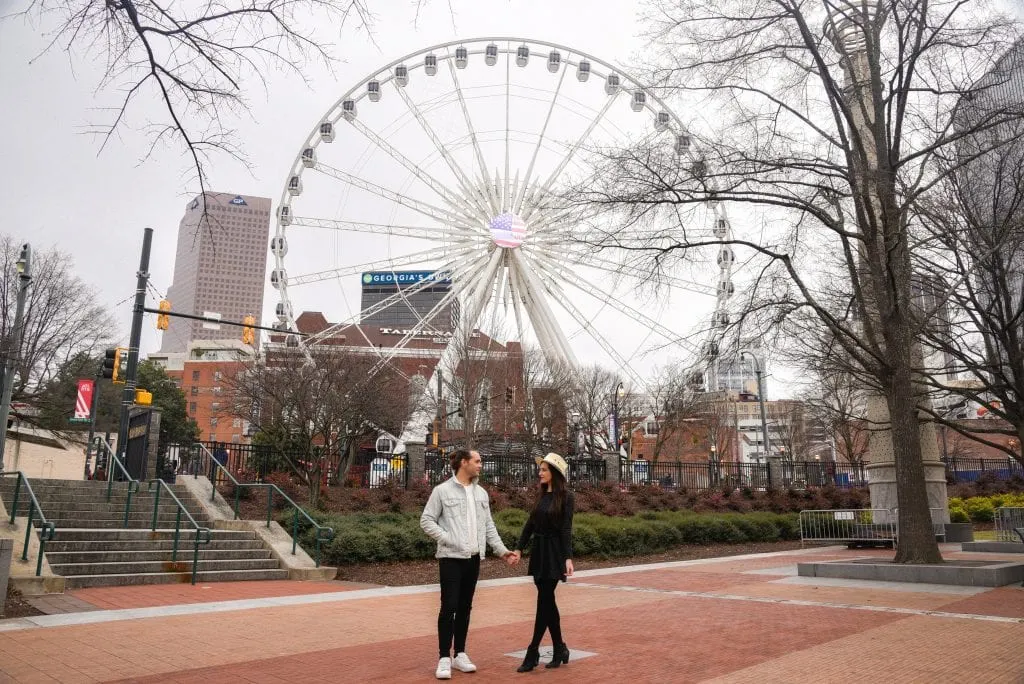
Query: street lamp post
[
  {"x": 574, "y": 432},
  {"x": 759, "y": 373},
  {"x": 619, "y": 391},
  {"x": 13, "y": 351}
]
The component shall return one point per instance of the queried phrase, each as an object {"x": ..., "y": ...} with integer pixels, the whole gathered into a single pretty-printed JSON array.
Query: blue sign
[
  {"x": 239, "y": 201},
  {"x": 402, "y": 277}
]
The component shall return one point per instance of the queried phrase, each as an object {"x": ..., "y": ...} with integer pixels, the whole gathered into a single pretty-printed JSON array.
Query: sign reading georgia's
[{"x": 507, "y": 230}]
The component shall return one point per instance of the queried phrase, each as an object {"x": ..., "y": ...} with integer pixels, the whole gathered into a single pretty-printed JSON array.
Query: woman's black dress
[{"x": 551, "y": 535}]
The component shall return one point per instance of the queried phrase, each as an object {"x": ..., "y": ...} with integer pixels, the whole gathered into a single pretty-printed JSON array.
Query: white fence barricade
[
  {"x": 1008, "y": 520},
  {"x": 854, "y": 526}
]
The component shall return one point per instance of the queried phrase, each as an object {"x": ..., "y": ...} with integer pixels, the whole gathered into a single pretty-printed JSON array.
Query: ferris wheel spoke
[
  {"x": 539, "y": 312},
  {"x": 587, "y": 324},
  {"x": 379, "y": 265},
  {"x": 468, "y": 188},
  {"x": 474, "y": 141},
  {"x": 540, "y": 141},
  {"x": 638, "y": 316},
  {"x": 410, "y": 166},
  {"x": 544, "y": 189},
  {"x": 387, "y": 355},
  {"x": 434, "y": 212},
  {"x": 391, "y": 229}
]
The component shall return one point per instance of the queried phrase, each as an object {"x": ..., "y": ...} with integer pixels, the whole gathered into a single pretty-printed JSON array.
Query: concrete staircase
[{"x": 93, "y": 547}]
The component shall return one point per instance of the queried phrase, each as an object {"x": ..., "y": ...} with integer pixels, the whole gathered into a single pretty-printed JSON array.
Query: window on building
[
  {"x": 216, "y": 390},
  {"x": 195, "y": 376},
  {"x": 216, "y": 376},
  {"x": 236, "y": 422},
  {"x": 213, "y": 421},
  {"x": 192, "y": 407},
  {"x": 215, "y": 406},
  {"x": 195, "y": 390},
  {"x": 651, "y": 427}
]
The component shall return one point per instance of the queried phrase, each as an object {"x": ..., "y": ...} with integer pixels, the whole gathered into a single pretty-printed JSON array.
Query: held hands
[
  {"x": 512, "y": 557},
  {"x": 569, "y": 569}
]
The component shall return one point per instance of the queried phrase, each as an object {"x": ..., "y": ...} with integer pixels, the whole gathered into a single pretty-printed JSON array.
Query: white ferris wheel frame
[{"x": 523, "y": 285}]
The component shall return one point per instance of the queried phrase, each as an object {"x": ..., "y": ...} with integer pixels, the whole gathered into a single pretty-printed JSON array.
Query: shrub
[
  {"x": 980, "y": 509},
  {"x": 384, "y": 537}
]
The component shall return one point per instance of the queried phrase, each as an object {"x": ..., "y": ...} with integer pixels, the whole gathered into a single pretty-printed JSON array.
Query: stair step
[
  {"x": 202, "y": 577},
  {"x": 107, "y": 534},
  {"x": 143, "y": 556},
  {"x": 147, "y": 546},
  {"x": 184, "y": 564},
  {"x": 56, "y": 507}
]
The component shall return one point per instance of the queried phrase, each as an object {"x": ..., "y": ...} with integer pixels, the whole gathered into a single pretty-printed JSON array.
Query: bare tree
[
  {"x": 62, "y": 319},
  {"x": 587, "y": 391},
  {"x": 193, "y": 58},
  {"x": 837, "y": 402},
  {"x": 673, "y": 404},
  {"x": 317, "y": 412},
  {"x": 832, "y": 120}
]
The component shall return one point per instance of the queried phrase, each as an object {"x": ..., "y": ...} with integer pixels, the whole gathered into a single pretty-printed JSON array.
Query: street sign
[
  {"x": 80, "y": 420},
  {"x": 83, "y": 403}
]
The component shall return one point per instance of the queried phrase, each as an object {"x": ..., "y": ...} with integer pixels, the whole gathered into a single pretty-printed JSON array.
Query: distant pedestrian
[
  {"x": 458, "y": 517},
  {"x": 548, "y": 531}
]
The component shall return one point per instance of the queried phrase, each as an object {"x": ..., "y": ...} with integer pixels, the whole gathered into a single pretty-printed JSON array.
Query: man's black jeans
[{"x": 458, "y": 584}]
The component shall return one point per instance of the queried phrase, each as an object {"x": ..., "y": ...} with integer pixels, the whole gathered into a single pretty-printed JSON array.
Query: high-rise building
[
  {"x": 421, "y": 305},
  {"x": 220, "y": 266}
]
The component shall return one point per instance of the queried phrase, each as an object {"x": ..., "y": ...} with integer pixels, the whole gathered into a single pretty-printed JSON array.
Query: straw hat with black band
[{"x": 556, "y": 462}]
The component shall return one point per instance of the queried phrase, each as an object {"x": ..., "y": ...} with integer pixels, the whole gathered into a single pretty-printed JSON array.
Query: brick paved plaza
[{"x": 738, "y": 619}]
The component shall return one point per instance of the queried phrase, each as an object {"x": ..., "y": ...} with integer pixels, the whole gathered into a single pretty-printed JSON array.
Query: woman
[{"x": 550, "y": 529}]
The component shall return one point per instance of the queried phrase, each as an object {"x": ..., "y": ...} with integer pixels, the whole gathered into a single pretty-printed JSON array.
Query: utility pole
[
  {"x": 13, "y": 352},
  {"x": 759, "y": 373},
  {"x": 128, "y": 395}
]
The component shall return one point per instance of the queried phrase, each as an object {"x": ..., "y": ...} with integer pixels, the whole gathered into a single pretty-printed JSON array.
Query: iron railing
[
  {"x": 116, "y": 470},
  {"x": 969, "y": 469},
  {"x": 202, "y": 534},
  {"x": 217, "y": 470},
  {"x": 47, "y": 529},
  {"x": 1008, "y": 520}
]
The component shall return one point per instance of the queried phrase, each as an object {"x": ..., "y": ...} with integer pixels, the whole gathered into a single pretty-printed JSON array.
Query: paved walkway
[{"x": 726, "y": 620}]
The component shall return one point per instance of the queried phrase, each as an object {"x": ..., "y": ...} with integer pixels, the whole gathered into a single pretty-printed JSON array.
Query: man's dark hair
[{"x": 458, "y": 457}]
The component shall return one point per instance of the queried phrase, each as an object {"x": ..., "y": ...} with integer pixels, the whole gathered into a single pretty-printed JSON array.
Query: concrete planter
[{"x": 959, "y": 532}]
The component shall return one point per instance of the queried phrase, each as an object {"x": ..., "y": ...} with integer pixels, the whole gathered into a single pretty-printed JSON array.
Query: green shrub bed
[
  {"x": 384, "y": 537},
  {"x": 981, "y": 509}
]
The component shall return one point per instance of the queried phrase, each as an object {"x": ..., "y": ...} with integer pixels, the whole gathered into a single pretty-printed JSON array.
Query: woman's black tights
[{"x": 547, "y": 618}]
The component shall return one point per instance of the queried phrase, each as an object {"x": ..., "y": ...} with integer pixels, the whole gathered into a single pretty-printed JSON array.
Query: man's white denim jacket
[{"x": 444, "y": 521}]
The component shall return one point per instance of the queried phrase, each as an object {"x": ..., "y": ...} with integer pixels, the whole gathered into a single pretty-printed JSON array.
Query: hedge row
[
  {"x": 981, "y": 509},
  {"x": 373, "y": 538}
]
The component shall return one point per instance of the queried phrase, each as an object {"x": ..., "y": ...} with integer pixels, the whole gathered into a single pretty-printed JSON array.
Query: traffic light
[
  {"x": 248, "y": 332},
  {"x": 510, "y": 396},
  {"x": 163, "y": 321},
  {"x": 112, "y": 360}
]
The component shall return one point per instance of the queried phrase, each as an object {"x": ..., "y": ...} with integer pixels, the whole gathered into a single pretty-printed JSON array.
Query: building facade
[
  {"x": 422, "y": 303},
  {"x": 219, "y": 266}
]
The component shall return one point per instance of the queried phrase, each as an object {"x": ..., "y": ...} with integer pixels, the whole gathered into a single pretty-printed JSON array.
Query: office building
[
  {"x": 412, "y": 309},
  {"x": 219, "y": 266}
]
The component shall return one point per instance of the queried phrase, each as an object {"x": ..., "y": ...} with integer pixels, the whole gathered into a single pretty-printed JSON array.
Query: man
[{"x": 458, "y": 517}]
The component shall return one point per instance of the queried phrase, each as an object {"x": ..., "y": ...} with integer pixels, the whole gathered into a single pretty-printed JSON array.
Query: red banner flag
[{"x": 83, "y": 404}]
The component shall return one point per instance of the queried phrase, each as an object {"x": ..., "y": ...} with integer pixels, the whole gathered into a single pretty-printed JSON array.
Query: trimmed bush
[{"x": 384, "y": 537}]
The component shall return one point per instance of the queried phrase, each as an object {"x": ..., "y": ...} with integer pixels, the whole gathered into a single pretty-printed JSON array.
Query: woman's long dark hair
[{"x": 558, "y": 491}]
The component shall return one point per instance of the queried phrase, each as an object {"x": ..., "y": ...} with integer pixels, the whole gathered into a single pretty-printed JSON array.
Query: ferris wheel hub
[{"x": 507, "y": 230}]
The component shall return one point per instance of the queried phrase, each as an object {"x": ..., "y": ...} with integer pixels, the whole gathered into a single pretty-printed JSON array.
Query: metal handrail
[
  {"x": 47, "y": 529},
  {"x": 177, "y": 525},
  {"x": 323, "y": 533},
  {"x": 133, "y": 484}
]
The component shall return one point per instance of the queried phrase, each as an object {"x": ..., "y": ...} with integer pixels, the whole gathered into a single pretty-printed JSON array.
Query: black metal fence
[
  {"x": 966, "y": 469},
  {"x": 515, "y": 470},
  {"x": 729, "y": 475}
]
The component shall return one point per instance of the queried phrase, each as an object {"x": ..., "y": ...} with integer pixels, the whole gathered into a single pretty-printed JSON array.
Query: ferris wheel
[{"x": 454, "y": 159}]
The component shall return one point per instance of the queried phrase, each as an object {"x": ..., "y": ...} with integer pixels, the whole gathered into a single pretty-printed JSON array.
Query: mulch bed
[
  {"x": 15, "y": 606},
  {"x": 425, "y": 571}
]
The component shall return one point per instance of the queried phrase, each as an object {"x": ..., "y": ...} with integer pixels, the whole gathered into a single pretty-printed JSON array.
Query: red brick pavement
[
  {"x": 143, "y": 596},
  {"x": 750, "y": 628}
]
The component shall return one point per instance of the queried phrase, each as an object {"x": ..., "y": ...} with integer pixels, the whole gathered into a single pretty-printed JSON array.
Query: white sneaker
[
  {"x": 444, "y": 668},
  {"x": 463, "y": 663}
]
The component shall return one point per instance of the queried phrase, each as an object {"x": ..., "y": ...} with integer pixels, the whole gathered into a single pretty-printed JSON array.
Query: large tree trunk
[{"x": 916, "y": 536}]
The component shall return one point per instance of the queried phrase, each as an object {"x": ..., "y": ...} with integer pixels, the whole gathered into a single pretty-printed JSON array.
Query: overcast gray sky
[{"x": 59, "y": 189}]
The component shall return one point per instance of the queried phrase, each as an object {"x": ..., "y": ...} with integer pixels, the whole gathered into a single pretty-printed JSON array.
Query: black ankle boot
[
  {"x": 559, "y": 657},
  {"x": 531, "y": 660}
]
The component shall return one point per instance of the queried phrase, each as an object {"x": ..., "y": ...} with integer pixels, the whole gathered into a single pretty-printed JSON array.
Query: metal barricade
[
  {"x": 853, "y": 526},
  {"x": 938, "y": 516},
  {"x": 1008, "y": 520}
]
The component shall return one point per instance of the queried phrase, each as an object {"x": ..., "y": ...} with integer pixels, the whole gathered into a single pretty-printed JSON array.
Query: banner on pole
[{"x": 83, "y": 404}]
